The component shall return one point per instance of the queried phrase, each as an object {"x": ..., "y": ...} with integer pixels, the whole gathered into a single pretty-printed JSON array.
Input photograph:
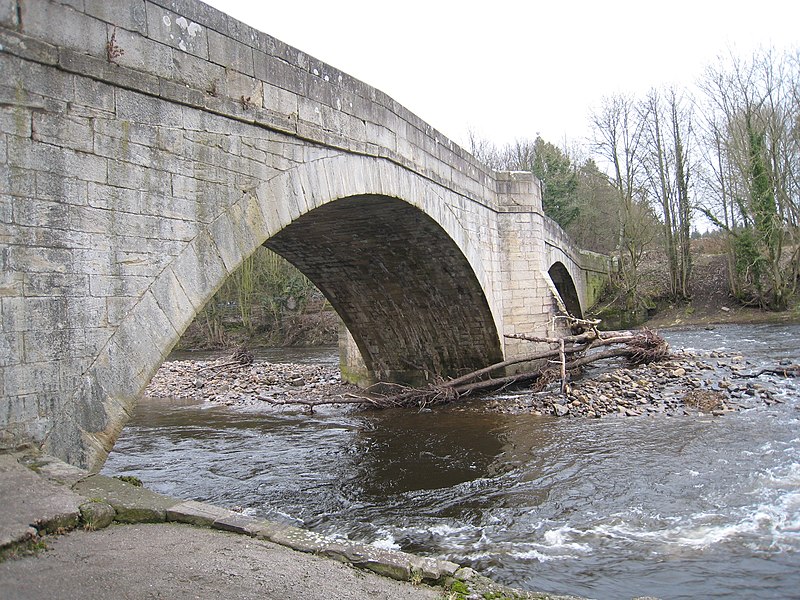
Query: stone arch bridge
[{"x": 147, "y": 147}]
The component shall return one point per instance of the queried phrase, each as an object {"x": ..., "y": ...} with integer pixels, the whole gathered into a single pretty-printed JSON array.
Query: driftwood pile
[{"x": 673, "y": 383}]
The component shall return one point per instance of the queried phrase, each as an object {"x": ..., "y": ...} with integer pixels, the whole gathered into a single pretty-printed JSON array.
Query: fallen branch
[{"x": 782, "y": 371}]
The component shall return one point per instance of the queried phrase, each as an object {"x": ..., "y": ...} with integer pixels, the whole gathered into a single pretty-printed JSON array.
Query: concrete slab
[{"x": 31, "y": 504}]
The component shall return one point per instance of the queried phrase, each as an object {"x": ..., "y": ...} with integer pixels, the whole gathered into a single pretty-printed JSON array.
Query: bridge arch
[
  {"x": 402, "y": 273},
  {"x": 565, "y": 287}
]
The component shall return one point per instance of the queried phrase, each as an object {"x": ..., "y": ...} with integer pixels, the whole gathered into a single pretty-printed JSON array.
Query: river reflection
[{"x": 613, "y": 508}]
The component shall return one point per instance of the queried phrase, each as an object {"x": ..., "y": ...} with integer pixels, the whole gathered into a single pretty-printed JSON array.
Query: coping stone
[
  {"x": 31, "y": 504},
  {"x": 133, "y": 504}
]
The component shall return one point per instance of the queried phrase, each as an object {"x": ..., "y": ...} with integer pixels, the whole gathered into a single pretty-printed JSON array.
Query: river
[{"x": 673, "y": 507}]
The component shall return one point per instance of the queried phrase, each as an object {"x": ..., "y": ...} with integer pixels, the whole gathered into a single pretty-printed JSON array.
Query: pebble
[
  {"x": 686, "y": 383},
  {"x": 221, "y": 382}
]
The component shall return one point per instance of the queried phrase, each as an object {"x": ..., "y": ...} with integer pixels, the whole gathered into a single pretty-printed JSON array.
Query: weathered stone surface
[
  {"x": 197, "y": 513},
  {"x": 31, "y": 503},
  {"x": 150, "y": 146},
  {"x": 132, "y": 504},
  {"x": 390, "y": 563},
  {"x": 237, "y": 523},
  {"x": 97, "y": 515}
]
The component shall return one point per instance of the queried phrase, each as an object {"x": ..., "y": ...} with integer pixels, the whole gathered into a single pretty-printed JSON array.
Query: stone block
[
  {"x": 140, "y": 54},
  {"x": 52, "y": 285},
  {"x": 33, "y": 259},
  {"x": 222, "y": 232},
  {"x": 193, "y": 11},
  {"x": 198, "y": 74},
  {"x": 200, "y": 270},
  {"x": 230, "y": 53},
  {"x": 198, "y": 120},
  {"x": 250, "y": 36},
  {"x": 15, "y": 120},
  {"x": 63, "y": 26},
  {"x": 117, "y": 286},
  {"x": 51, "y": 346},
  {"x": 245, "y": 91},
  {"x": 279, "y": 100},
  {"x": 173, "y": 300},
  {"x": 27, "y": 47},
  {"x": 132, "y": 504},
  {"x": 117, "y": 308},
  {"x": 112, "y": 73},
  {"x": 61, "y": 189},
  {"x": 127, "y": 14},
  {"x": 63, "y": 130},
  {"x": 11, "y": 347},
  {"x": 197, "y": 513},
  {"x": 277, "y": 72},
  {"x": 30, "y": 500},
  {"x": 131, "y": 106},
  {"x": 28, "y": 154},
  {"x": 237, "y": 523},
  {"x": 97, "y": 515},
  {"x": 177, "y": 31},
  {"x": 181, "y": 93},
  {"x": 136, "y": 177},
  {"x": 9, "y": 16}
]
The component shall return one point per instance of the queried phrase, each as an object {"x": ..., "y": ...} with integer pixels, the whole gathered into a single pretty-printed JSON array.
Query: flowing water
[{"x": 674, "y": 507}]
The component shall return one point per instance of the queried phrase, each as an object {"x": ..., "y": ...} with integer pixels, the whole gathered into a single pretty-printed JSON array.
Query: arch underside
[
  {"x": 403, "y": 288},
  {"x": 566, "y": 289}
]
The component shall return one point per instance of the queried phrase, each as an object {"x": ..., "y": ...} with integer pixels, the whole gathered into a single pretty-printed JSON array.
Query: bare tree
[
  {"x": 667, "y": 122},
  {"x": 752, "y": 122},
  {"x": 618, "y": 137}
]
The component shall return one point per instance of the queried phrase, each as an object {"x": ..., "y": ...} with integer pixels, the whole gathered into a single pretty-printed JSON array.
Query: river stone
[{"x": 97, "y": 515}]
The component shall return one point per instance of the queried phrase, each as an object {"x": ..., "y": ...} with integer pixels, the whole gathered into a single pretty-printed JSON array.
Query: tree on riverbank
[
  {"x": 752, "y": 141},
  {"x": 266, "y": 301}
]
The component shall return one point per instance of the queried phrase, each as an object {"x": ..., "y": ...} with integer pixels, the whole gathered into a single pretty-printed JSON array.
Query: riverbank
[{"x": 711, "y": 302}]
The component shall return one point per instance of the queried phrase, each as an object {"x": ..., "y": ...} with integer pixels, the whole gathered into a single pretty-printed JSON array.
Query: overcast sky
[{"x": 514, "y": 69}]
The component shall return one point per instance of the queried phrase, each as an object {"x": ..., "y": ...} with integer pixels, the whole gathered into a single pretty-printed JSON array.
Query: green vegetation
[
  {"x": 30, "y": 547},
  {"x": 457, "y": 590},
  {"x": 266, "y": 302},
  {"x": 132, "y": 479}
]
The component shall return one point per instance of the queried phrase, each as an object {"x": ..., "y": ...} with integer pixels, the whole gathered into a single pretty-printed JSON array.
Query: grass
[{"x": 30, "y": 547}]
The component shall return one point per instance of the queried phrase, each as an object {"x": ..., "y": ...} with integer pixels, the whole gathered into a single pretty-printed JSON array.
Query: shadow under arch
[
  {"x": 454, "y": 305},
  {"x": 402, "y": 286},
  {"x": 566, "y": 289}
]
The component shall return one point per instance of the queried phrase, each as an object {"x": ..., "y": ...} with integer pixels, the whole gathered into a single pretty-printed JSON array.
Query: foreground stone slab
[
  {"x": 390, "y": 563},
  {"x": 133, "y": 504},
  {"x": 197, "y": 513},
  {"x": 31, "y": 504}
]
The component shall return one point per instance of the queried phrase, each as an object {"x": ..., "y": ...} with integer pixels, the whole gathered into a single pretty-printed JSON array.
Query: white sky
[{"x": 513, "y": 69}]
